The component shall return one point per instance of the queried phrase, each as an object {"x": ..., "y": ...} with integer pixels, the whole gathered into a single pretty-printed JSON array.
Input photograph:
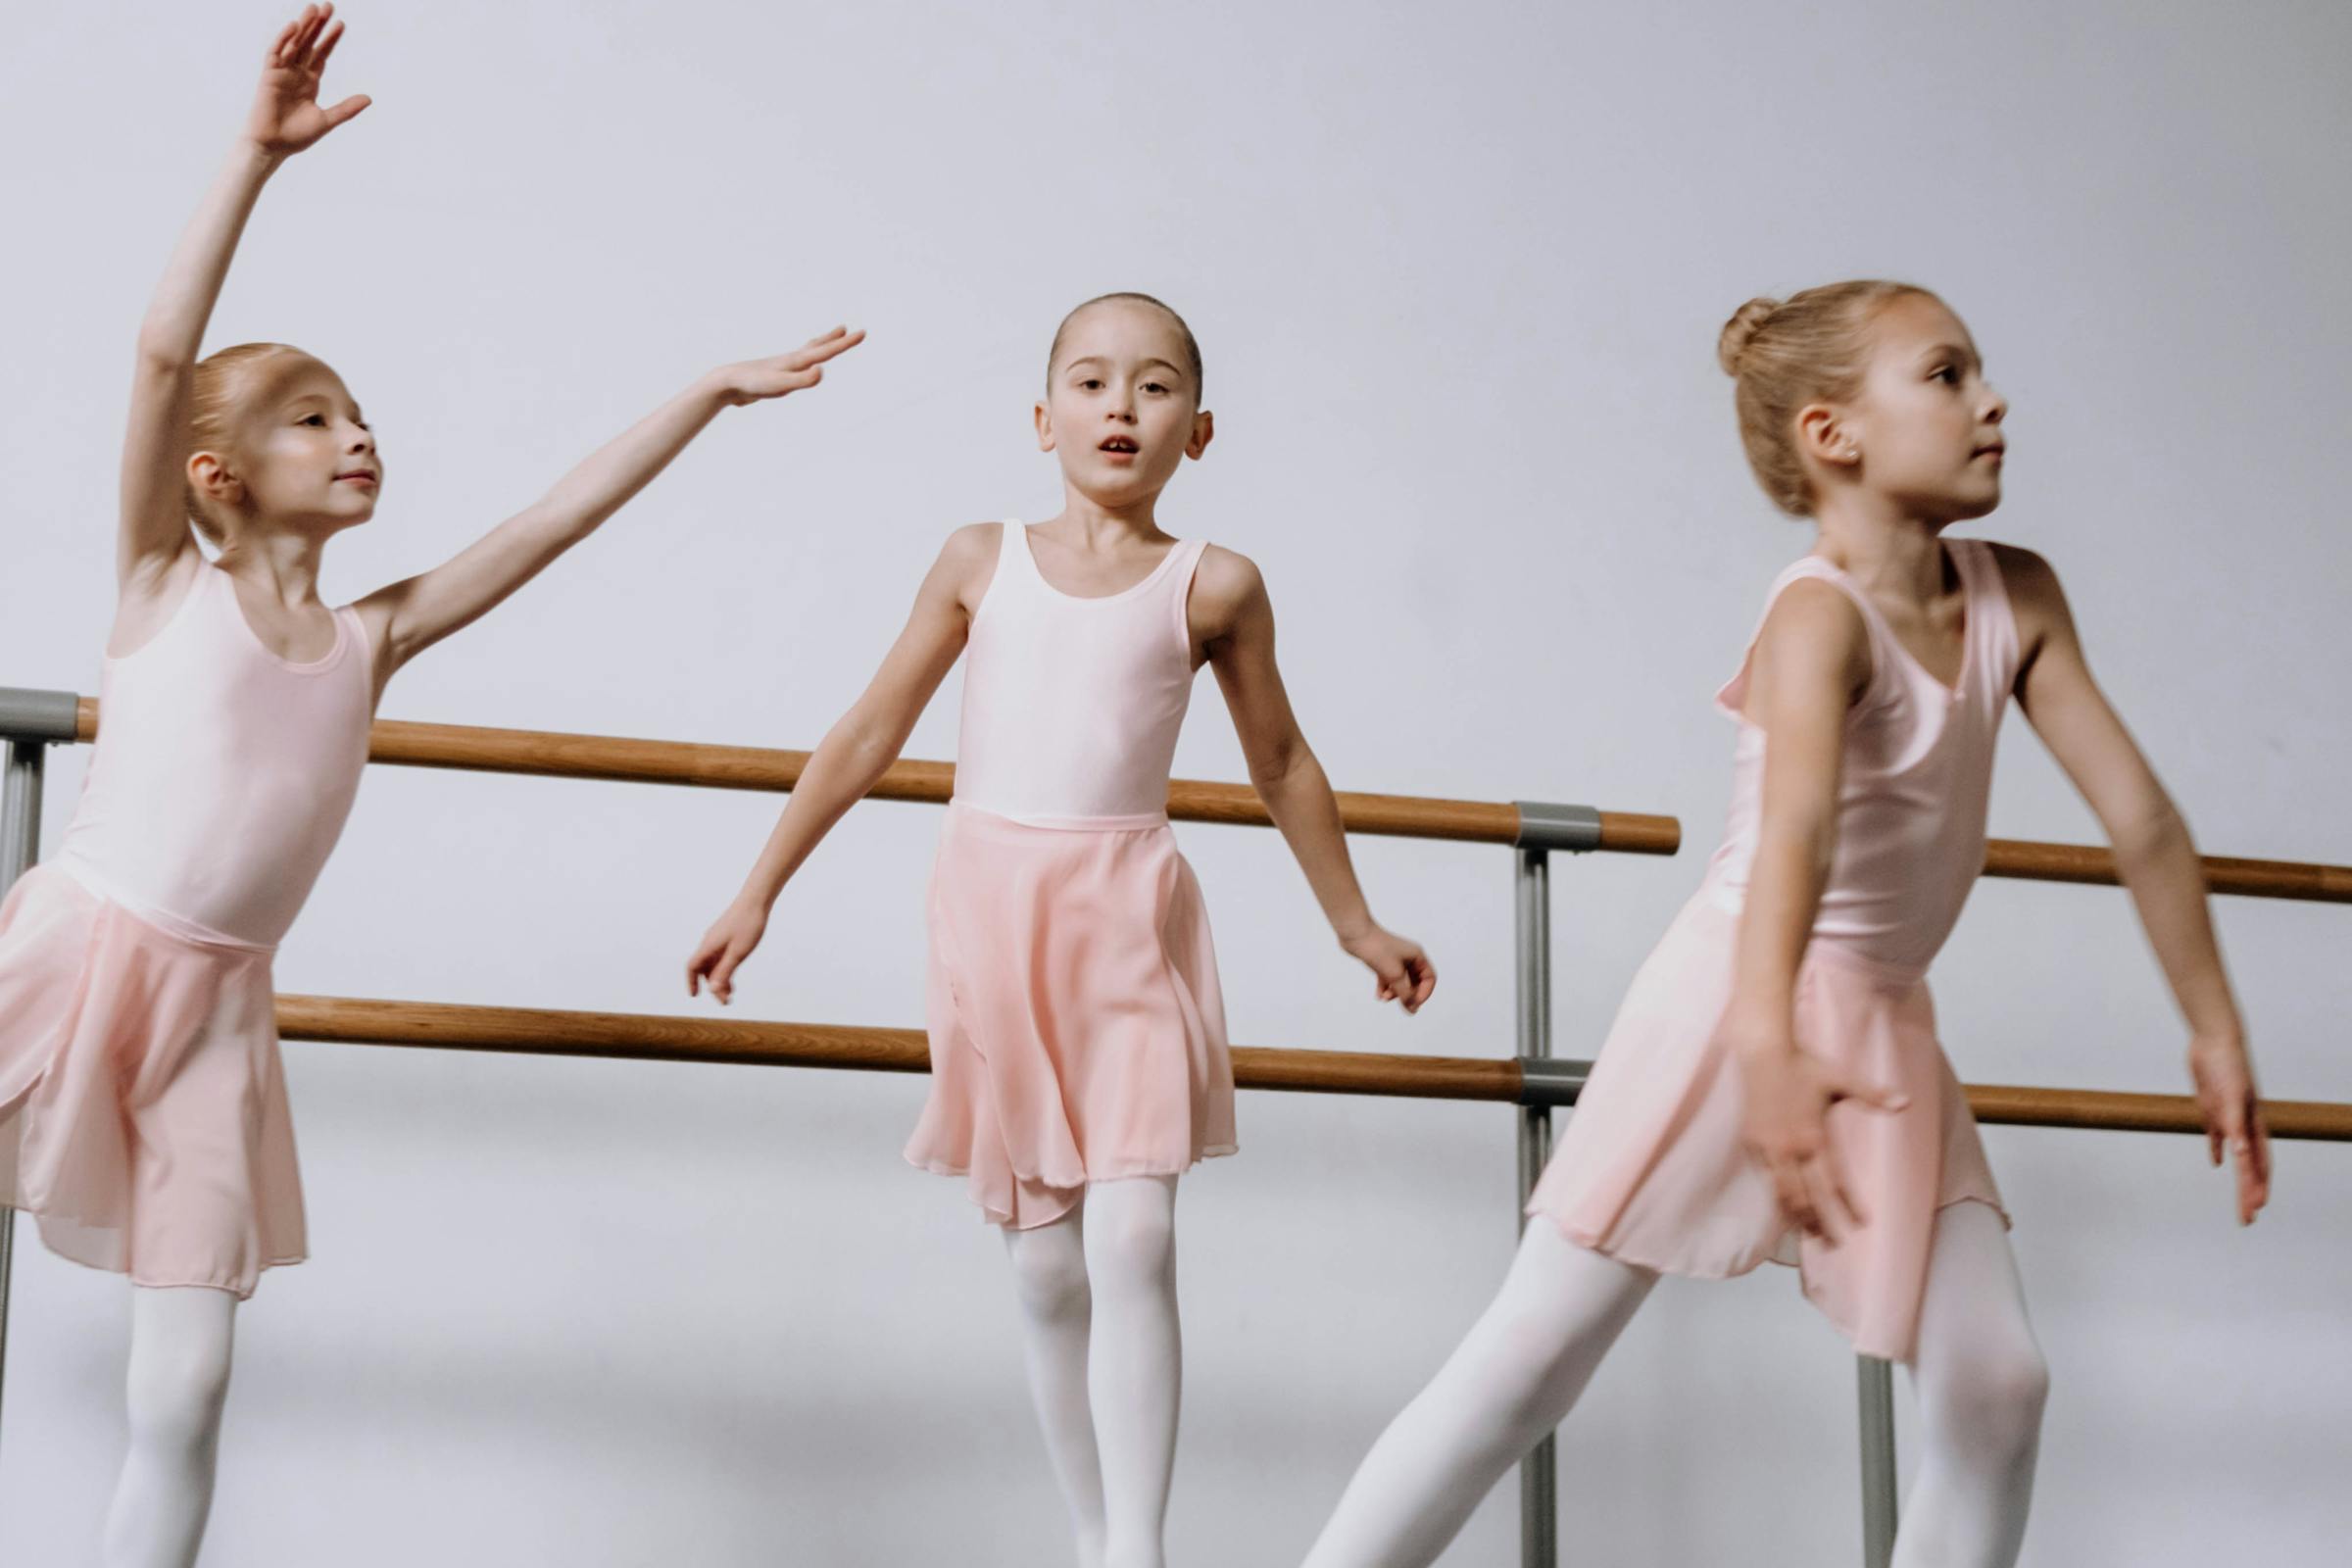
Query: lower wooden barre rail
[{"x": 658, "y": 1036}]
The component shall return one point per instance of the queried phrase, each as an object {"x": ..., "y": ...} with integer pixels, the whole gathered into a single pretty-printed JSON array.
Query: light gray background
[{"x": 1458, "y": 273}]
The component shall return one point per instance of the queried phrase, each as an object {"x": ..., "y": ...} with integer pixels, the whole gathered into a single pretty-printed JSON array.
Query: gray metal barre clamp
[
  {"x": 1544, "y": 825},
  {"x": 1551, "y": 1080},
  {"x": 30, "y": 715}
]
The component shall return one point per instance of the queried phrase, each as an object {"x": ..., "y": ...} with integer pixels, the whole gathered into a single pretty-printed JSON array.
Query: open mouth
[{"x": 1119, "y": 445}]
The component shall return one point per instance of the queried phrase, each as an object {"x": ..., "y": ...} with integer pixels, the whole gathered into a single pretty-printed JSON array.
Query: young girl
[
  {"x": 143, "y": 1111},
  {"x": 1773, "y": 1087},
  {"x": 1077, "y": 1038}
]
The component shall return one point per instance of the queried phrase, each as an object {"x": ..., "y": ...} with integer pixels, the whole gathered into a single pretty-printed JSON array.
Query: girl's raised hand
[
  {"x": 1405, "y": 973},
  {"x": 2233, "y": 1112},
  {"x": 756, "y": 380},
  {"x": 286, "y": 117}
]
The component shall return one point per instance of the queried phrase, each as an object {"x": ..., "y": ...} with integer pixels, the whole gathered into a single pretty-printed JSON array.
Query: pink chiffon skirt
[
  {"x": 1077, "y": 1030},
  {"x": 143, "y": 1116},
  {"x": 1651, "y": 1170}
]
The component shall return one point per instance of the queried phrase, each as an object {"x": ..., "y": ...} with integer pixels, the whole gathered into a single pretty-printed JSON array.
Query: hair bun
[{"x": 1741, "y": 330}]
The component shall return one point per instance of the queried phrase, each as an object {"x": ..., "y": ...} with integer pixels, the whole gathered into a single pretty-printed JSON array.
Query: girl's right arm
[
  {"x": 855, "y": 752},
  {"x": 1811, "y": 663},
  {"x": 154, "y": 541}
]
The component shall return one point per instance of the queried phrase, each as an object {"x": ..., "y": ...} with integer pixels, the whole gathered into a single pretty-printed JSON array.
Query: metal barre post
[
  {"x": 1539, "y": 1500},
  {"x": 20, "y": 847},
  {"x": 1876, "y": 1382}
]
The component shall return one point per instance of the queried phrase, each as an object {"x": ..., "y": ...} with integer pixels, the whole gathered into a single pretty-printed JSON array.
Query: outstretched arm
[
  {"x": 855, "y": 752},
  {"x": 2156, "y": 857},
  {"x": 1232, "y": 616},
  {"x": 286, "y": 119},
  {"x": 411, "y": 616}
]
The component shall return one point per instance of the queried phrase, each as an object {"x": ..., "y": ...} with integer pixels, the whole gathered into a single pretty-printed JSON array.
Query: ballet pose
[
  {"x": 143, "y": 1116},
  {"x": 1078, "y": 1047},
  {"x": 1773, "y": 1087}
]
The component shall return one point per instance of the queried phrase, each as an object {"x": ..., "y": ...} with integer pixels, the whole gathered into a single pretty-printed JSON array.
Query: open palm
[{"x": 286, "y": 117}]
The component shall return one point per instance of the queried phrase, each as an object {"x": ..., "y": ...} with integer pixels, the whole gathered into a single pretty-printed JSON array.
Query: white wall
[{"x": 1458, "y": 273}]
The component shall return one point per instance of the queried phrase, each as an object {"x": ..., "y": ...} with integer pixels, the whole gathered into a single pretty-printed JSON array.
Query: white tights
[
  {"x": 1978, "y": 1375},
  {"x": 1098, "y": 1295},
  {"x": 179, "y": 1355}
]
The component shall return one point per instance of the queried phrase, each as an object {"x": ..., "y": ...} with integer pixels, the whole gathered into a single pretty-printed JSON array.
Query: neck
[
  {"x": 1099, "y": 527},
  {"x": 284, "y": 565},
  {"x": 1881, "y": 546}
]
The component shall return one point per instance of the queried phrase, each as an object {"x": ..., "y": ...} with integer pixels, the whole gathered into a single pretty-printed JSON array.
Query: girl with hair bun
[
  {"x": 143, "y": 1114},
  {"x": 1773, "y": 1088}
]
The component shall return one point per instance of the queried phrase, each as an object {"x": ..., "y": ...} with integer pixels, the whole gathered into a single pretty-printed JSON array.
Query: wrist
[{"x": 250, "y": 157}]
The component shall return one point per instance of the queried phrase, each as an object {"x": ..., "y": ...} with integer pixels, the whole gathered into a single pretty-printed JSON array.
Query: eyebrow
[
  {"x": 1168, "y": 366},
  {"x": 1950, "y": 351}
]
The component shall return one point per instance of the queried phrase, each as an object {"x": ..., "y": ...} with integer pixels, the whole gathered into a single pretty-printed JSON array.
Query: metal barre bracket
[
  {"x": 33, "y": 716},
  {"x": 1551, "y": 1080},
  {"x": 1547, "y": 825}
]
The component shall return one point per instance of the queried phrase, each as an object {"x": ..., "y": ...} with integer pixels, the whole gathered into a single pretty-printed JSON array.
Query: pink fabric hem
[
  {"x": 1029, "y": 1218},
  {"x": 1808, "y": 1283}
]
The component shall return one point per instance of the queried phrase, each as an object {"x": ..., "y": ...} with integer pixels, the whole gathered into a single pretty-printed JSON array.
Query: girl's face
[
  {"x": 1925, "y": 428},
  {"x": 1121, "y": 409},
  {"x": 301, "y": 458}
]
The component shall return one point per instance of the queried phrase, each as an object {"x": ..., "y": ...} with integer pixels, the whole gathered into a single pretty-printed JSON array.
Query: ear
[
  {"x": 1205, "y": 429},
  {"x": 209, "y": 477},
  {"x": 1825, "y": 436},
  {"x": 1045, "y": 428}
]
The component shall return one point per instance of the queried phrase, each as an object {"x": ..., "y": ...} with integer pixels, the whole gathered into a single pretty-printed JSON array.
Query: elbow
[
  {"x": 2152, "y": 829},
  {"x": 1278, "y": 765}
]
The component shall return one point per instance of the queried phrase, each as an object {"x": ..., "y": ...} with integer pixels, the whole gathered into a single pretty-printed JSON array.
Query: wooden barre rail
[
  {"x": 556, "y": 754},
  {"x": 550, "y": 754},
  {"x": 646, "y": 1037}
]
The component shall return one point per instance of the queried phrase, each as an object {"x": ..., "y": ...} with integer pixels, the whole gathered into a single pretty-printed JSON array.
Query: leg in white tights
[
  {"x": 1509, "y": 1384},
  {"x": 1048, "y": 1273},
  {"x": 1097, "y": 1292},
  {"x": 179, "y": 1355},
  {"x": 1980, "y": 1382}
]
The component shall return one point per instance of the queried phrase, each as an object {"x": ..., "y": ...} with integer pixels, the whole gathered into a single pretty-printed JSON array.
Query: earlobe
[
  {"x": 210, "y": 478},
  {"x": 1045, "y": 429}
]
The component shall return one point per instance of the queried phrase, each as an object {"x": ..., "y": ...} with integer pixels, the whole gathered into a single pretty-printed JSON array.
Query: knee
[
  {"x": 1051, "y": 1281},
  {"x": 1994, "y": 1406},
  {"x": 1130, "y": 1246},
  {"x": 177, "y": 1396}
]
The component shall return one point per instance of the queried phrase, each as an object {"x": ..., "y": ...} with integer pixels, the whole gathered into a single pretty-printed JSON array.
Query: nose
[
  {"x": 361, "y": 440},
  {"x": 1996, "y": 407}
]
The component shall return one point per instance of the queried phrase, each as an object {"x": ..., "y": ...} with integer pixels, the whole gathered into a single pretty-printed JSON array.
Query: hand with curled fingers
[
  {"x": 1785, "y": 1125},
  {"x": 286, "y": 117},
  {"x": 756, "y": 380},
  {"x": 2228, "y": 1100},
  {"x": 731, "y": 939},
  {"x": 1404, "y": 973}
]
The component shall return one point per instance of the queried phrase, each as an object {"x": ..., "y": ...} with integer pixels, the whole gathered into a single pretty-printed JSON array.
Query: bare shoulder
[
  {"x": 2026, "y": 575},
  {"x": 2036, "y": 601},
  {"x": 1225, "y": 583},
  {"x": 1813, "y": 630},
  {"x": 968, "y": 562}
]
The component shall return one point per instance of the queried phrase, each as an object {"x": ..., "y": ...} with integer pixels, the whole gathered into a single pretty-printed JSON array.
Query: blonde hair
[
  {"x": 1784, "y": 354},
  {"x": 223, "y": 380}
]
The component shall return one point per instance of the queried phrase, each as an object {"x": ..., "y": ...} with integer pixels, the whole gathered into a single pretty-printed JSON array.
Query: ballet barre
[
  {"x": 1531, "y": 1079},
  {"x": 746, "y": 1042}
]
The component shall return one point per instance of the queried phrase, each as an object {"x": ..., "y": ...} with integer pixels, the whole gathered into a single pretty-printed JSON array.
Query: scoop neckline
[
  {"x": 292, "y": 667},
  {"x": 1128, "y": 592},
  {"x": 1971, "y": 613}
]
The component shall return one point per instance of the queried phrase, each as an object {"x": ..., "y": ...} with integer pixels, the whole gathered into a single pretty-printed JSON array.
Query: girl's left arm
[
  {"x": 1232, "y": 615},
  {"x": 2156, "y": 857},
  {"x": 411, "y": 616}
]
